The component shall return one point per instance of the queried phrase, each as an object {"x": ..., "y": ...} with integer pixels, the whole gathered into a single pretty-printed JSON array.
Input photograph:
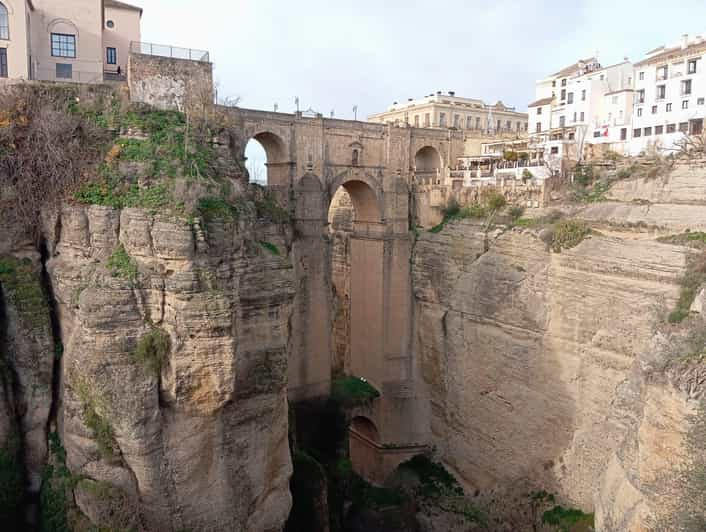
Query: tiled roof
[
  {"x": 670, "y": 53},
  {"x": 543, "y": 101},
  {"x": 573, "y": 68}
]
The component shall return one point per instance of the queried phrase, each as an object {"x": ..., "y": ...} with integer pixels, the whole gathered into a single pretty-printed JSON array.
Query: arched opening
[
  {"x": 266, "y": 159},
  {"x": 427, "y": 165},
  {"x": 357, "y": 257},
  {"x": 4, "y": 23},
  {"x": 364, "y": 441}
]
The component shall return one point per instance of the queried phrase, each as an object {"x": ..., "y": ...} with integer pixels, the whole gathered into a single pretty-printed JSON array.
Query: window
[
  {"x": 457, "y": 120},
  {"x": 663, "y": 72},
  {"x": 570, "y": 98},
  {"x": 426, "y": 119},
  {"x": 563, "y": 94},
  {"x": 691, "y": 69},
  {"x": 700, "y": 101},
  {"x": 697, "y": 126},
  {"x": 671, "y": 128},
  {"x": 639, "y": 112},
  {"x": 686, "y": 87},
  {"x": 614, "y": 100},
  {"x": 654, "y": 109},
  {"x": 477, "y": 122},
  {"x": 111, "y": 56},
  {"x": 659, "y": 130},
  {"x": 583, "y": 116},
  {"x": 539, "y": 110},
  {"x": 63, "y": 45},
  {"x": 637, "y": 133},
  {"x": 641, "y": 77},
  {"x": 519, "y": 126},
  {"x": 554, "y": 83},
  {"x": 469, "y": 122},
  {"x": 562, "y": 121},
  {"x": 508, "y": 125},
  {"x": 596, "y": 134},
  {"x": 3, "y": 62},
  {"x": 563, "y": 82},
  {"x": 648, "y": 131},
  {"x": 110, "y": 24},
  {"x": 442, "y": 119},
  {"x": 572, "y": 136},
  {"x": 538, "y": 129},
  {"x": 684, "y": 127},
  {"x": 354, "y": 159},
  {"x": 669, "y": 107},
  {"x": 64, "y": 71},
  {"x": 624, "y": 134},
  {"x": 4, "y": 27},
  {"x": 575, "y": 116},
  {"x": 602, "y": 77},
  {"x": 583, "y": 95},
  {"x": 685, "y": 104},
  {"x": 416, "y": 120},
  {"x": 555, "y": 150},
  {"x": 661, "y": 92},
  {"x": 641, "y": 96}
]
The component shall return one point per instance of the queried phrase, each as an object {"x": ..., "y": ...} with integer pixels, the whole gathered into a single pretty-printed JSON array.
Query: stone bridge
[{"x": 308, "y": 160}]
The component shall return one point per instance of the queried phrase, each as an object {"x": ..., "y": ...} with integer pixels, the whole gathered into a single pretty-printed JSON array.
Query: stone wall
[{"x": 169, "y": 83}]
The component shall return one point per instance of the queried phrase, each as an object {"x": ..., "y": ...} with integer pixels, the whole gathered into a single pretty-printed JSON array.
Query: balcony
[{"x": 174, "y": 52}]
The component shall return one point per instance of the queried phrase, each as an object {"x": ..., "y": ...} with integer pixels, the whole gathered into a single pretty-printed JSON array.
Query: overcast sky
[{"x": 337, "y": 53}]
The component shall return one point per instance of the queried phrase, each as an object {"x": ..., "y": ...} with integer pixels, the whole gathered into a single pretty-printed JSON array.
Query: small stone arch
[
  {"x": 276, "y": 155},
  {"x": 365, "y": 427},
  {"x": 364, "y": 443},
  {"x": 427, "y": 159},
  {"x": 63, "y": 25},
  {"x": 365, "y": 195}
]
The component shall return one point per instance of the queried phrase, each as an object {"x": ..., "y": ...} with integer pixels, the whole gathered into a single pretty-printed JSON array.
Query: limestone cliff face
[
  {"x": 200, "y": 444},
  {"x": 531, "y": 358}
]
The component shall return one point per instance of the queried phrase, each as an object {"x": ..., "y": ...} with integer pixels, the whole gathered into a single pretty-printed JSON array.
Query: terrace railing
[{"x": 165, "y": 50}]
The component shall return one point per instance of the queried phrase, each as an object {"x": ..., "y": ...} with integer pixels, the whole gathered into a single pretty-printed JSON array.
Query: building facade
[
  {"x": 582, "y": 105},
  {"x": 448, "y": 111},
  {"x": 85, "y": 41},
  {"x": 670, "y": 96}
]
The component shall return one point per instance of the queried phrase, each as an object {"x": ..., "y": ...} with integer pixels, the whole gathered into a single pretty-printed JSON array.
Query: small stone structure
[{"x": 170, "y": 83}]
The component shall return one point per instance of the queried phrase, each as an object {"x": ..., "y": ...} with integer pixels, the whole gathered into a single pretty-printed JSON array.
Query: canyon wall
[{"x": 530, "y": 355}]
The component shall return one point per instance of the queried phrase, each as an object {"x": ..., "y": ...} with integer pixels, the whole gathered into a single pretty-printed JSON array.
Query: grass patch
[
  {"x": 100, "y": 427},
  {"x": 594, "y": 194},
  {"x": 215, "y": 208},
  {"x": 697, "y": 239},
  {"x": 691, "y": 282},
  {"x": 22, "y": 285},
  {"x": 568, "y": 234},
  {"x": 151, "y": 351},
  {"x": 568, "y": 519},
  {"x": 122, "y": 265},
  {"x": 110, "y": 192},
  {"x": 269, "y": 246},
  {"x": 353, "y": 391}
]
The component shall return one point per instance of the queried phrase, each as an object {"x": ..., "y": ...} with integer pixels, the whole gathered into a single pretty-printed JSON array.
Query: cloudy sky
[{"x": 334, "y": 54}]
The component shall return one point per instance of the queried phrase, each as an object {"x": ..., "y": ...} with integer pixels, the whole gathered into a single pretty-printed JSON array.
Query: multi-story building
[
  {"x": 68, "y": 40},
  {"x": 670, "y": 97},
  {"x": 581, "y": 105},
  {"x": 450, "y": 111}
]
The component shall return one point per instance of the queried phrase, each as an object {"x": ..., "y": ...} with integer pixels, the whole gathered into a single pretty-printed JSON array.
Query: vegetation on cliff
[
  {"x": 489, "y": 205},
  {"x": 151, "y": 351},
  {"x": 351, "y": 391},
  {"x": 694, "y": 278}
]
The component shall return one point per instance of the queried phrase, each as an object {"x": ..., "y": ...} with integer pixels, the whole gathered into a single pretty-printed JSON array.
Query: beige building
[
  {"x": 86, "y": 41},
  {"x": 448, "y": 111}
]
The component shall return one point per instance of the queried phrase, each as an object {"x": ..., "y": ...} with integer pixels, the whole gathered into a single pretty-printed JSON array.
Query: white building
[
  {"x": 582, "y": 105},
  {"x": 670, "y": 96}
]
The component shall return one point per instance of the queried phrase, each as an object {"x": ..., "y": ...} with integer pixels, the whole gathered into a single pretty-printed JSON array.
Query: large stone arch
[
  {"x": 278, "y": 163},
  {"x": 365, "y": 193}
]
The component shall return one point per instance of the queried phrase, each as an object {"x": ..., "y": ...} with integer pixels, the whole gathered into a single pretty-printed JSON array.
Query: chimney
[
  {"x": 394, "y": 103},
  {"x": 438, "y": 93},
  {"x": 684, "y": 41},
  {"x": 452, "y": 93},
  {"x": 410, "y": 99}
]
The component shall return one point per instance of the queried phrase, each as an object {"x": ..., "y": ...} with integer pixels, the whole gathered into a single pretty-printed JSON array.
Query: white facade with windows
[
  {"x": 670, "y": 96},
  {"x": 580, "y": 105},
  {"x": 66, "y": 40}
]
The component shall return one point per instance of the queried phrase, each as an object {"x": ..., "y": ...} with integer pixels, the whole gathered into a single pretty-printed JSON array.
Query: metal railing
[
  {"x": 165, "y": 50},
  {"x": 77, "y": 76}
]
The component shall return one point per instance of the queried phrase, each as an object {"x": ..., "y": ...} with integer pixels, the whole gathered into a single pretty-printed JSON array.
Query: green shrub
[
  {"x": 583, "y": 175},
  {"x": 23, "y": 287},
  {"x": 527, "y": 174},
  {"x": 269, "y": 246},
  {"x": 120, "y": 264},
  {"x": 100, "y": 427},
  {"x": 515, "y": 212},
  {"x": 215, "y": 208},
  {"x": 352, "y": 391},
  {"x": 568, "y": 234},
  {"x": 568, "y": 519},
  {"x": 151, "y": 351},
  {"x": 435, "y": 480},
  {"x": 493, "y": 200},
  {"x": 452, "y": 208}
]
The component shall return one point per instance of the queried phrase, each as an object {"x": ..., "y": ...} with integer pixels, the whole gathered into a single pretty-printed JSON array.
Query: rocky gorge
[{"x": 146, "y": 329}]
